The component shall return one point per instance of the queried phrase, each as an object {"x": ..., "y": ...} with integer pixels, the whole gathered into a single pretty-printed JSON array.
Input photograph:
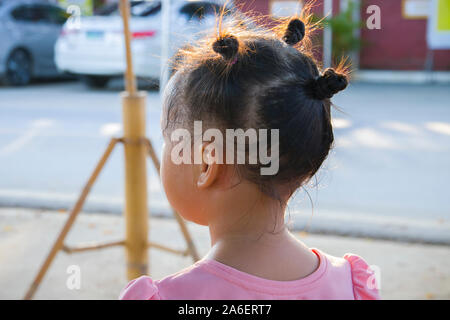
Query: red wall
[
  {"x": 259, "y": 6},
  {"x": 400, "y": 44}
]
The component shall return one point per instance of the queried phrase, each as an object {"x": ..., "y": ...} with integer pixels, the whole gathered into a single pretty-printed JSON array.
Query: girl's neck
[
  {"x": 248, "y": 233},
  {"x": 246, "y": 215},
  {"x": 275, "y": 256}
]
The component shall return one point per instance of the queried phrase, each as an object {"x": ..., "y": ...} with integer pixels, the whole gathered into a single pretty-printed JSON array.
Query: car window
[
  {"x": 198, "y": 10},
  {"x": 106, "y": 9},
  {"x": 138, "y": 8},
  {"x": 146, "y": 8},
  {"x": 29, "y": 13},
  {"x": 56, "y": 15},
  {"x": 21, "y": 13}
]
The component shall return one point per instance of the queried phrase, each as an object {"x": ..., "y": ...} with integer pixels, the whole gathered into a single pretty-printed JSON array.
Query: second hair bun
[
  {"x": 328, "y": 84},
  {"x": 227, "y": 46},
  {"x": 295, "y": 32}
]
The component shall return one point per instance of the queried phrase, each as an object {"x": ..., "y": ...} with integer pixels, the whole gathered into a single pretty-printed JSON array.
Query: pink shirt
[{"x": 336, "y": 278}]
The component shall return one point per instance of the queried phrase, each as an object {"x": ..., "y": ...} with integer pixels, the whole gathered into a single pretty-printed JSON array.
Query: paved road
[{"x": 387, "y": 176}]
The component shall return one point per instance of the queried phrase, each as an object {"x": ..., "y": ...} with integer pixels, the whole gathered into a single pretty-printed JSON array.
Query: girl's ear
[{"x": 209, "y": 169}]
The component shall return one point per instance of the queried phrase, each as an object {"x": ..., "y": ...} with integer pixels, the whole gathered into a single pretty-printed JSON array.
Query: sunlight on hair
[
  {"x": 307, "y": 17},
  {"x": 248, "y": 27}
]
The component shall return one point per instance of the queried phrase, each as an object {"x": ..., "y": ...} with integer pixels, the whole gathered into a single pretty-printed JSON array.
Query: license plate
[{"x": 94, "y": 34}]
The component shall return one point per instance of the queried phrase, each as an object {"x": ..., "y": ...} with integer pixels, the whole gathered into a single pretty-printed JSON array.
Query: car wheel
[
  {"x": 96, "y": 81},
  {"x": 18, "y": 68}
]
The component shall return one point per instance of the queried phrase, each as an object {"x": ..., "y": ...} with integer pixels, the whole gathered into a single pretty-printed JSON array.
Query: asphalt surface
[{"x": 386, "y": 177}]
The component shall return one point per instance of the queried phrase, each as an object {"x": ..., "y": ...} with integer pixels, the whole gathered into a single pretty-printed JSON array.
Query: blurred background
[{"x": 61, "y": 69}]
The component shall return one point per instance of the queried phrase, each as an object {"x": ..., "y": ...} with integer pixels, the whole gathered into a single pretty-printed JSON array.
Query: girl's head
[{"x": 248, "y": 77}]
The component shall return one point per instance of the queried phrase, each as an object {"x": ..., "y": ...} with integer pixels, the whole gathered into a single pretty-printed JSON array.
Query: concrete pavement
[{"x": 407, "y": 271}]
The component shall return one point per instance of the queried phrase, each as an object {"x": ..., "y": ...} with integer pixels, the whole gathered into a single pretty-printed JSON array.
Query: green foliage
[{"x": 344, "y": 28}]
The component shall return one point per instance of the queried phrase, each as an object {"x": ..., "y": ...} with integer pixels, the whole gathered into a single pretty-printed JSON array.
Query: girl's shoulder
[
  {"x": 181, "y": 285},
  {"x": 353, "y": 268},
  {"x": 142, "y": 288},
  {"x": 364, "y": 278}
]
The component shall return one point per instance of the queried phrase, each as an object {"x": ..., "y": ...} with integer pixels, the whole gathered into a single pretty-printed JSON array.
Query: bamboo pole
[
  {"x": 136, "y": 209},
  {"x": 168, "y": 249},
  {"x": 92, "y": 246},
  {"x": 72, "y": 216},
  {"x": 130, "y": 79}
]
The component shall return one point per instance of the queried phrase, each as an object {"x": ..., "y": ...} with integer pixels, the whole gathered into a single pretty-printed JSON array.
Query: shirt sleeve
[
  {"x": 365, "y": 284},
  {"x": 142, "y": 288}
]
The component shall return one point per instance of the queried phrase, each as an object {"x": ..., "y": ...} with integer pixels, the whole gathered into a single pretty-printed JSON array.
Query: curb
[
  {"x": 408, "y": 77},
  {"x": 354, "y": 224}
]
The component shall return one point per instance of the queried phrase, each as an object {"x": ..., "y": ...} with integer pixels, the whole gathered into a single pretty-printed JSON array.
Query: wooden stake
[
  {"x": 130, "y": 79},
  {"x": 92, "y": 246},
  {"x": 136, "y": 209}
]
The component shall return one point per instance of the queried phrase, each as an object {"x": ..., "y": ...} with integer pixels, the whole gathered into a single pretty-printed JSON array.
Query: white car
[{"x": 93, "y": 47}]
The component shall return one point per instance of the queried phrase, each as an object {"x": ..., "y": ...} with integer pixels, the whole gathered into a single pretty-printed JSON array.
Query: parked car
[
  {"x": 28, "y": 32},
  {"x": 93, "y": 48}
]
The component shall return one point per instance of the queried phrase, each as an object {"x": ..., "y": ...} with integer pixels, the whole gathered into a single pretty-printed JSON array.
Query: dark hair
[{"x": 261, "y": 78}]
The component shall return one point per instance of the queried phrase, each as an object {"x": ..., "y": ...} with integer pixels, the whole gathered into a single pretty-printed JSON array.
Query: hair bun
[
  {"x": 226, "y": 46},
  {"x": 295, "y": 32},
  {"x": 328, "y": 84}
]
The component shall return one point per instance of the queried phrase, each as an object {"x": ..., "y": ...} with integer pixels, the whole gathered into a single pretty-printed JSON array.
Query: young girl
[{"x": 251, "y": 78}]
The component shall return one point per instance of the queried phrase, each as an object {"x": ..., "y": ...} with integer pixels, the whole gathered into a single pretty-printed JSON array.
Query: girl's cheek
[
  {"x": 163, "y": 159},
  {"x": 180, "y": 188},
  {"x": 175, "y": 181},
  {"x": 165, "y": 170}
]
